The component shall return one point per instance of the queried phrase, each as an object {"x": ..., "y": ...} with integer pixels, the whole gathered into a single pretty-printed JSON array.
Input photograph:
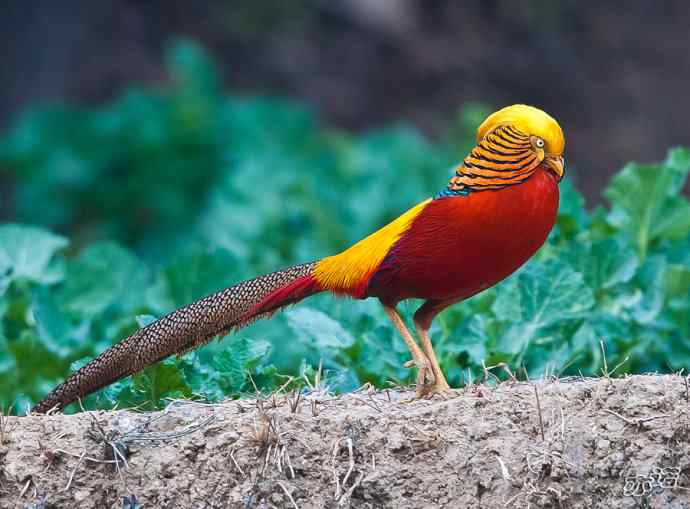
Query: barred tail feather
[{"x": 187, "y": 328}]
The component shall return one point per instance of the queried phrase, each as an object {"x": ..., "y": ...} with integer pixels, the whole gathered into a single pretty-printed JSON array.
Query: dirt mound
[{"x": 563, "y": 443}]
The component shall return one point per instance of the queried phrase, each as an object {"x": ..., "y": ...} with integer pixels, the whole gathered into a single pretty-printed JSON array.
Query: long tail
[{"x": 187, "y": 328}]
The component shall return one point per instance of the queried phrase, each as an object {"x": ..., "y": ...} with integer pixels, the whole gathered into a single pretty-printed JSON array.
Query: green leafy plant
[{"x": 154, "y": 200}]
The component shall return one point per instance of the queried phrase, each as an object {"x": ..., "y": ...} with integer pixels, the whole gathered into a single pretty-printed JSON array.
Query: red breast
[{"x": 458, "y": 246}]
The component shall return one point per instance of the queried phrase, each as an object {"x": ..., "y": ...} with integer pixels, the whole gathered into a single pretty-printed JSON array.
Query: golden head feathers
[
  {"x": 511, "y": 144},
  {"x": 529, "y": 120}
]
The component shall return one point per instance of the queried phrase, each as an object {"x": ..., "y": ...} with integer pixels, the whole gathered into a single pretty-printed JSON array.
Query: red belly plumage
[{"x": 458, "y": 246}]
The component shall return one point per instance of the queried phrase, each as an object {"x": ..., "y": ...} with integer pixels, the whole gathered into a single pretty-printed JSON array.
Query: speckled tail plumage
[{"x": 185, "y": 329}]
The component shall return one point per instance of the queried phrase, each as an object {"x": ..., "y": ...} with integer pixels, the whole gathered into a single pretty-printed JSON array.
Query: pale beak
[{"x": 557, "y": 164}]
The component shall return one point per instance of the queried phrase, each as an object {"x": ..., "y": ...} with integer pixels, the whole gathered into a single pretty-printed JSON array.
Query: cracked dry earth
[{"x": 586, "y": 443}]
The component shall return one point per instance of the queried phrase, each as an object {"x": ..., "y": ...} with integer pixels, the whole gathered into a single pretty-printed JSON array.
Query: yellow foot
[
  {"x": 439, "y": 388},
  {"x": 425, "y": 375}
]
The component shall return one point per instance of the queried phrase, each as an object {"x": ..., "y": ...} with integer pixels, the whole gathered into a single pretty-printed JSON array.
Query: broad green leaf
[
  {"x": 507, "y": 304},
  {"x": 646, "y": 200},
  {"x": 602, "y": 263},
  {"x": 470, "y": 339},
  {"x": 6, "y": 361},
  {"x": 516, "y": 339},
  {"x": 26, "y": 373},
  {"x": 548, "y": 293},
  {"x": 572, "y": 215},
  {"x": 198, "y": 372},
  {"x": 318, "y": 328},
  {"x": 191, "y": 277},
  {"x": 237, "y": 361},
  {"x": 28, "y": 252},
  {"x": 376, "y": 356},
  {"x": 103, "y": 275},
  {"x": 159, "y": 381},
  {"x": 677, "y": 280},
  {"x": 586, "y": 341},
  {"x": 649, "y": 296},
  {"x": 58, "y": 333},
  {"x": 552, "y": 291}
]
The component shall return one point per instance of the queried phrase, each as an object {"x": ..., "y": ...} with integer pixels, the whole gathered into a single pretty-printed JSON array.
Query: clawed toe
[
  {"x": 425, "y": 375},
  {"x": 437, "y": 389},
  {"x": 430, "y": 380}
]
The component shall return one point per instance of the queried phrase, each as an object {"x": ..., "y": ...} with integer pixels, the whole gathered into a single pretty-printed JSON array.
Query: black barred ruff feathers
[{"x": 502, "y": 158}]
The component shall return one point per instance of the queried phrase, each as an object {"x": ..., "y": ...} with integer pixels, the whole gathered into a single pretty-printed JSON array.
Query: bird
[{"x": 495, "y": 212}]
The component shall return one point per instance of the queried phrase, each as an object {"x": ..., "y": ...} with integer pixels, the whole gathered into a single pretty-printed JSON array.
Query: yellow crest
[{"x": 529, "y": 120}]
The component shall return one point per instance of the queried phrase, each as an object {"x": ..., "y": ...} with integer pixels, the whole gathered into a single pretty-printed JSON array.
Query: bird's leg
[
  {"x": 425, "y": 373},
  {"x": 422, "y": 322}
]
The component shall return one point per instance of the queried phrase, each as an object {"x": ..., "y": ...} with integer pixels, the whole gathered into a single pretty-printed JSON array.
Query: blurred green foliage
[{"x": 164, "y": 196}]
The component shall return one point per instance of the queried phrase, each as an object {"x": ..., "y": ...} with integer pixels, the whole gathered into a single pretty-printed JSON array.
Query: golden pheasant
[{"x": 493, "y": 215}]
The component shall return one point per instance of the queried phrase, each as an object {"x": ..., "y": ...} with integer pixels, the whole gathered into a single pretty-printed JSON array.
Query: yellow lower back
[{"x": 349, "y": 271}]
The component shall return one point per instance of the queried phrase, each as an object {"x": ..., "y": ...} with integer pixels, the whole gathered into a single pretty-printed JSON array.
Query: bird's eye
[{"x": 539, "y": 143}]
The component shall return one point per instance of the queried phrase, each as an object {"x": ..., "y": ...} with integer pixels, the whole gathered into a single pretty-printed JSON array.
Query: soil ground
[{"x": 557, "y": 443}]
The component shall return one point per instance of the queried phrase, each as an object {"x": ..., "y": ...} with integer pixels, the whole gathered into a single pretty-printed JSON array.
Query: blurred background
[
  {"x": 615, "y": 74},
  {"x": 153, "y": 152}
]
